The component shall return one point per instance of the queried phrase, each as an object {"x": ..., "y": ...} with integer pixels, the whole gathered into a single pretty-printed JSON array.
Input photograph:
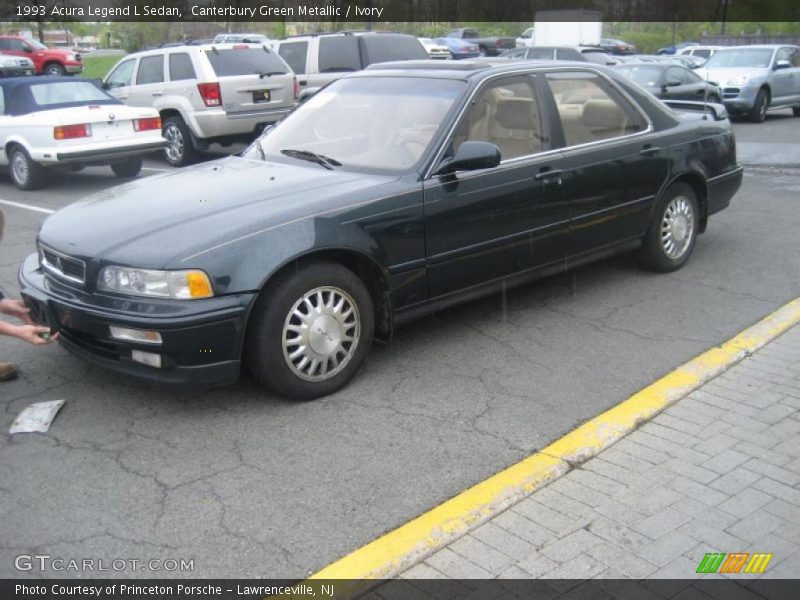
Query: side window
[
  {"x": 784, "y": 54},
  {"x": 151, "y": 70},
  {"x": 795, "y": 58},
  {"x": 121, "y": 76},
  {"x": 541, "y": 53},
  {"x": 17, "y": 45},
  {"x": 339, "y": 53},
  {"x": 180, "y": 67},
  {"x": 702, "y": 53},
  {"x": 516, "y": 53},
  {"x": 5, "y": 44},
  {"x": 568, "y": 54},
  {"x": 590, "y": 109},
  {"x": 294, "y": 53},
  {"x": 674, "y": 74},
  {"x": 505, "y": 113}
]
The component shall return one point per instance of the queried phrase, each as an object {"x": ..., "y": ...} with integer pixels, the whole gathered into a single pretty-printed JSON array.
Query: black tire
[
  {"x": 656, "y": 252},
  {"x": 128, "y": 168},
  {"x": 796, "y": 111},
  {"x": 265, "y": 354},
  {"x": 25, "y": 172},
  {"x": 181, "y": 151},
  {"x": 758, "y": 113},
  {"x": 54, "y": 69}
]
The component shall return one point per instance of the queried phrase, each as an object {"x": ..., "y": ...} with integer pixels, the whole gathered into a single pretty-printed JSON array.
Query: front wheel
[
  {"x": 310, "y": 333},
  {"x": 128, "y": 168},
  {"x": 54, "y": 70},
  {"x": 758, "y": 113},
  {"x": 25, "y": 172},
  {"x": 670, "y": 238}
]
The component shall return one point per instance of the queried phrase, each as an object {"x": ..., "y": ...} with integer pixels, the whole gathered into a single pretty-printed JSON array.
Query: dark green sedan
[{"x": 391, "y": 193}]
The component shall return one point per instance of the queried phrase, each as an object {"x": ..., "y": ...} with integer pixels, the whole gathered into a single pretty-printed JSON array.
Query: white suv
[{"x": 208, "y": 93}]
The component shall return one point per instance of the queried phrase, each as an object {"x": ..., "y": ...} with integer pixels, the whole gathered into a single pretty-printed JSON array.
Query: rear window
[
  {"x": 244, "y": 61},
  {"x": 383, "y": 48},
  {"x": 66, "y": 92},
  {"x": 294, "y": 53}
]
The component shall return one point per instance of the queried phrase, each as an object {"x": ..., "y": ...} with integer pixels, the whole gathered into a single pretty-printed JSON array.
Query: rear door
[
  {"x": 251, "y": 78},
  {"x": 295, "y": 54},
  {"x": 613, "y": 165},
  {"x": 148, "y": 85},
  {"x": 336, "y": 56}
]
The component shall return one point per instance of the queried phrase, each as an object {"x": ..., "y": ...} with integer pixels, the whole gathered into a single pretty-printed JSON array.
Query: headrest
[
  {"x": 515, "y": 113},
  {"x": 603, "y": 114}
]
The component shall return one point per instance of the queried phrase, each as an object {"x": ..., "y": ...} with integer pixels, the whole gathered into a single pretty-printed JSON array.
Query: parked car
[
  {"x": 15, "y": 66},
  {"x": 435, "y": 50},
  {"x": 391, "y": 193},
  {"x": 673, "y": 48},
  {"x": 242, "y": 38},
  {"x": 671, "y": 82},
  {"x": 320, "y": 58},
  {"x": 525, "y": 39},
  {"x": 207, "y": 93},
  {"x": 613, "y": 46},
  {"x": 684, "y": 60},
  {"x": 704, "y": 52},
  {"x": 460, "y": 49},
  {"x": 487, "y": 46},
  {"x": 545, "y": 53},
  {"x": 70, "y": 122},
  {"x": 755, "y": 79},
  {"x": 598, "y": 56},
  {"x": 638, "y": 58},
  {"x": 46, "y": 61}
]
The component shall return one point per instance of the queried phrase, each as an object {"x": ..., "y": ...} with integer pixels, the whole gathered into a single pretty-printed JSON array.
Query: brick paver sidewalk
[{"x": 719, "y": 471}]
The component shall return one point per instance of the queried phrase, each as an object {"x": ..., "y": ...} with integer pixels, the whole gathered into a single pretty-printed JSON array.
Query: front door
[{"x": 481, "y": 226}]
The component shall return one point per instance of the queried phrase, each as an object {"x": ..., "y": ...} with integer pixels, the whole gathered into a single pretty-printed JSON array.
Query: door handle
[
  {"x": 546, "y": 174},
  {"x": 123, "y": 96},
  {"x": 649, "y": 150},
  {"x": 303, "y": 82},
  {"x": 158, "y": 93}
]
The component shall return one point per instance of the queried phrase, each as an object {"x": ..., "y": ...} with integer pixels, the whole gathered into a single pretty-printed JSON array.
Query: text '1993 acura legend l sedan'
[{"x": 391, "y": 193}]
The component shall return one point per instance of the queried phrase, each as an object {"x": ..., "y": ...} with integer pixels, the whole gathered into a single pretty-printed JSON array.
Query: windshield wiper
[
  {"x": 270, "y": 74},
  {"x": 320, "y": 159}
]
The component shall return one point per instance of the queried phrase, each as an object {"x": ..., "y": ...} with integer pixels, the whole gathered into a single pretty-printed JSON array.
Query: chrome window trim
[
  {"x": 545, "y": 70},
  {"x": 55, "y": 270}
]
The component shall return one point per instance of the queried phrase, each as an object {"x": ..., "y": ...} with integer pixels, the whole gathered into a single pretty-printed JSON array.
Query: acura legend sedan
[{"x": 393, "y": 192}]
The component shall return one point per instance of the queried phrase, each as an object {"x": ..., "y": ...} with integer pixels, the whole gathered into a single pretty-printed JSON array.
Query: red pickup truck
[{"x": 47, "y": 61}]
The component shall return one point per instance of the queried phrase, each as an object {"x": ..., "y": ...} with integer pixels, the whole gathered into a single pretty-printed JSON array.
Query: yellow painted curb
[{"x": 417, "y": 539}]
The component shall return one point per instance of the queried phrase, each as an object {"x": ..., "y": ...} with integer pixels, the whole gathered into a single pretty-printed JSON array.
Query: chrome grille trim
[{"x": 62, "y": 265}]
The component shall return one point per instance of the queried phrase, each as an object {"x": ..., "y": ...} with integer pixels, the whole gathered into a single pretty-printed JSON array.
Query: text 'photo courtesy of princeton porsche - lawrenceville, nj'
[{"x": 399, "y": 300}]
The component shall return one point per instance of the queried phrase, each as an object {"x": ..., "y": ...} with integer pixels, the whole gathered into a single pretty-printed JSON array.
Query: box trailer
[{"x": 567, "y": 28}]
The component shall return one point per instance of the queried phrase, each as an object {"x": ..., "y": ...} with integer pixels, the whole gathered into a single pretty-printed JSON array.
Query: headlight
[
  {"x": 180, "y": 285},
  {"x": 738, "y": 81}
]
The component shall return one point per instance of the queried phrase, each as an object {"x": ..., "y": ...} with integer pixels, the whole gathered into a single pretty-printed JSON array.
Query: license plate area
[{"x": 260, "y": 96}]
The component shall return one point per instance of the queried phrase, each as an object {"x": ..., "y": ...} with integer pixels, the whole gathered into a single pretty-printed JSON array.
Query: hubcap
[
  {"x": 19, "y": 166},
  {"x": 677, "y": 227},
  {"x": 174, "y": 136},
  {"x": 321, "y": 333}
]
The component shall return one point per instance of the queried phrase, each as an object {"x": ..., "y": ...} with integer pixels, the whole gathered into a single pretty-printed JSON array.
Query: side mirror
[
  {"x": 782, "y": 64},
  {"x": 471, "y": 156},
  {"x": 27, "y": 48}
]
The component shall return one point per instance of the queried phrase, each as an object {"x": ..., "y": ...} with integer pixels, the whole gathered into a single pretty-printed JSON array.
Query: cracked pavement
[{"x": 246, "y": 484}]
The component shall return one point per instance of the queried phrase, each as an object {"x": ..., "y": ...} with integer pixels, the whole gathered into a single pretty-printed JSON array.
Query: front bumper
[
  {"x": 74, "y": 69},
  {"x": 201, "y": 339},
  {"x": 16, "y": 71},
  {"x": 739, "y": 99}
]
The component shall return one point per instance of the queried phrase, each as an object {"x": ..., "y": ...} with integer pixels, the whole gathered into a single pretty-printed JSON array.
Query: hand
[
  {"x": 32, "y": 333},
  {"x": 16, "y": 308}
]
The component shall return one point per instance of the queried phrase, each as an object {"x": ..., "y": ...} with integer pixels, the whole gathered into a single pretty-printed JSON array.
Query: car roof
[
  {"x": 463, "y": 69},
  {"x": 758, "y": 46},
  {"x": 332, "y": 33}
]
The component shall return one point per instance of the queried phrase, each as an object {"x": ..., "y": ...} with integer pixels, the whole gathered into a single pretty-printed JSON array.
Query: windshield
[
  {"x": 741, "y": 57},
  {"x": 643, "y": 75},
  {"x": 36, "y": 44},
  {"x": 377, "y": 124}
]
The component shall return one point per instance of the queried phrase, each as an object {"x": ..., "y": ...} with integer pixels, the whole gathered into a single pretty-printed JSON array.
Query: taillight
[
  {"x": 296, "y": 87},
  {"x": 69, "y": 132},
  {"x": 210, "y": 93},
  {"x": 147, "y": 124},
  {"x": 240, "y": 47}
]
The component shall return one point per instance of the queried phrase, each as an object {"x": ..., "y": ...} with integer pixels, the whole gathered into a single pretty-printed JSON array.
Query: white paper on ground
[{"x": 36, "y": 417}]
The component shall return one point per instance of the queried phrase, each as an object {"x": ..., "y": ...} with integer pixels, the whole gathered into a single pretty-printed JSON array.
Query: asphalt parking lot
[{"x": 250, "y": 485}]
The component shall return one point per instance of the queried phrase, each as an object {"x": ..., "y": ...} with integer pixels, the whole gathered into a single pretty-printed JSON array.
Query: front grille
[
  {"x": 63, "y": 266},
  {"x": 91, "y": 343},
  {"x": 731, "y": 92}
]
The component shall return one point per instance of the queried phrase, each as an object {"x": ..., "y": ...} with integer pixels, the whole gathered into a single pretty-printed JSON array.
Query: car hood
[
  {"x": 723, "y": 74},
  {"x": 153, "y": 220}
]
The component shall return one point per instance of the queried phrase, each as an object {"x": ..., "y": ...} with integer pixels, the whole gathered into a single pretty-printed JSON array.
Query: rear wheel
[
  {"x": 54, "y": 69},
  {"x": 758, "y": 113},
  {"x": 671, "y": 236},
  {"x": 25, "y": 172},
  {"x": 127, "y": 168},
  {"x": 310, "y": 332},
  {"x": 180, "y": 150}
]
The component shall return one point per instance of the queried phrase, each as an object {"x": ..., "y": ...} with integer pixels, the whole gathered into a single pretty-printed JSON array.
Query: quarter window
[
  {"x": 294, "y": 53},
  {"x": 151, "y": 70},
  {"x": 506, "y": 114},
  {"x": 590, "y": 110},
  {"x": 180, "y": 67}
]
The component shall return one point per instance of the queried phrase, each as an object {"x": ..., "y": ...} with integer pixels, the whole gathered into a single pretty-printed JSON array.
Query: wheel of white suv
[{"x": 180, "y": 150}]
